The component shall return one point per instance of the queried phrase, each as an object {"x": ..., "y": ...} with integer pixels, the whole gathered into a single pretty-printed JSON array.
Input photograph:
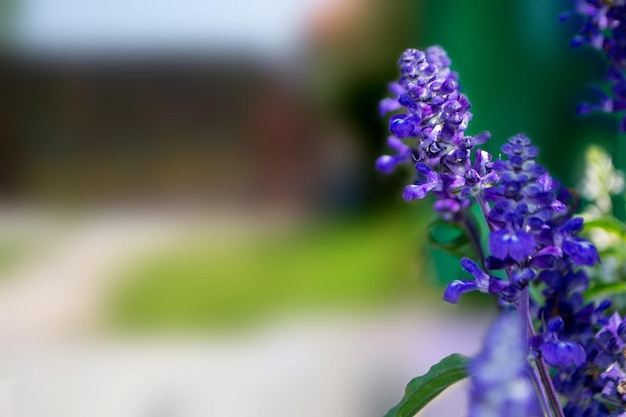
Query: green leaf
[
  {"x": 603, "y": 290},
  {"x": 609, "y": 224},
  {"x": 451, "y": 238},
  {"x": 423, "y": 389}
]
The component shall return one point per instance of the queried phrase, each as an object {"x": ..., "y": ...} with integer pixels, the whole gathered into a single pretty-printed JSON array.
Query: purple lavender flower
[
  {"x": 599, "y": 388},
  {"x": 499, "y": 376},
  {"x": 482, "y": 282},
  {"x": 533, "y": 238},
  {"x": 604, "y": 28},
  {"x": 560, "y": 353},
  {"x": 515, "y": 244},
  {"x": 531, "y": 231},
  {"x": 571, "y": 321},
  {"x": 433, "y": 115}
]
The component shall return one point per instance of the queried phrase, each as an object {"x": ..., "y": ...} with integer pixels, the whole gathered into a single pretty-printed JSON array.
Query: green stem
[
  {"x": 620, "y": 163},
  {"x": 472, "y": 230},
  {"x": 544, "y": 375}
]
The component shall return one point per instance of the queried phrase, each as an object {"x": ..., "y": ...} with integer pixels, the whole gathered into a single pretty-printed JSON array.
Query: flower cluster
[
  {"x": 530, "y": 228},
  {"x": 604, "y": 28},
  {"x": 433, "y": 114},
  {"x": 598, "y": 387},
  {"x": 532, "y": 232},
  {"x": 533, "y": 238}
]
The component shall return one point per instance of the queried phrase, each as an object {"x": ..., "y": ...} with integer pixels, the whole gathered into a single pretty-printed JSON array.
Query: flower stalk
[{"x": 533, "y": 236}]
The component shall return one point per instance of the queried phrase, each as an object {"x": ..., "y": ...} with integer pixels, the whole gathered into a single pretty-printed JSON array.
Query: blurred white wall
[{"x": 271, "y": 28}]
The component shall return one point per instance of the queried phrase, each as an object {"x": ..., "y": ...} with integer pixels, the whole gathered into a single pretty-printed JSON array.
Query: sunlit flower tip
[
  {"x": 557, "y": 206},
  {"x": 546, "y": 182},
  {"x": 515, "y": 244},
  {"x": 432, "y": 111},
  {"x": 581, "y": 251}
]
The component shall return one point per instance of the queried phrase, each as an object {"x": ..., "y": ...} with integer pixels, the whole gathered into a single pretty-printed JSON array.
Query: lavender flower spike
[
  {"x": 427, "y": 127},
  {"x": 604, "y": 28},
  {"x": 500, "y": 385}
]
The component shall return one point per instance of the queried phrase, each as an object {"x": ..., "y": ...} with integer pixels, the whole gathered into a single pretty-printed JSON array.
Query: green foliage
[
  {"x": 13, "y": 251},
  {"x": 455, "y": 238},
  {"x": 450, "y": 238},
  {"x": 423, "y": 389},
  {"x": 609, "y": 236},
  {"x": 602, "y": 186},
  {"x": 205, "y": 283},
  {"x": 601, "y": 290}
]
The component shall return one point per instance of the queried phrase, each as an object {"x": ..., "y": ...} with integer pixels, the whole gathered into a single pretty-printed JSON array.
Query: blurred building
[{"x": 193, "y": 102}]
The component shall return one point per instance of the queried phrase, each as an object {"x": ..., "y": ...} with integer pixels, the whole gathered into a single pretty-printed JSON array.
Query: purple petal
[
  {"x": 518, "y": 245},
  {"x": 471, "y": 267},
  {"x": 563, "y": 353},
  {"x": 545, "y": 181},
  {"x": 573, "y": 226},
  {"x": 521, "y": 245},
  {"x": 452, "y": 182},
  {"x": 581, "y": 251},
  {"x": 550, "y": 250},
  {"x": 400, "y": 126},
  {"x": 555, "y": 325},
  {"x": 387, "y": 105},
  {"x": 395, "y": 88},
  {"x": 386, "y": 164},
  {"x": 425, "y": 170},
  {"x": 397, "y": 145},
  {"x": 412, "y": 192},
  {"x": 481, "y": 138},
  {"x": 498, "y": 249},
  {"x": 524, "y": 276},
  {"x": 447, "y": 205},
  {"x": 455, "y": 289}
]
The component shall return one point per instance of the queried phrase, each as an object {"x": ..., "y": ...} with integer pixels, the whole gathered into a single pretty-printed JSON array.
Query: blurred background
[{"x": 190, "y": 219}]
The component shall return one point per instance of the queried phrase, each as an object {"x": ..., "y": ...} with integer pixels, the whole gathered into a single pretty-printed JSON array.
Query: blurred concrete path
[
  {"x": 56, "y": 289},
  {"x": 342, "y": 365},
  {"x": 323, "y": 367}
]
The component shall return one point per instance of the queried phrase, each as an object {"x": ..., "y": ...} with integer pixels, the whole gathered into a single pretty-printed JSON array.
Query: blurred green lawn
[
  {"x": 195, "y": 285},
  {"x": 12, "y": 251}
]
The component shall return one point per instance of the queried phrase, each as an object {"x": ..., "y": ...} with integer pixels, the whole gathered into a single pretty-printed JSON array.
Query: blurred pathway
[
  {"x": 335, "y": 366},
  {"x": 327, "y": 367},
  {"x": 57, "y": 288}
]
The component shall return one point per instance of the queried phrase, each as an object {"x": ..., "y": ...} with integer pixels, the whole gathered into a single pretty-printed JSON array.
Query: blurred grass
[
  {"x": 200, "y": 284},
  {"x": 12, "y": 251}
]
